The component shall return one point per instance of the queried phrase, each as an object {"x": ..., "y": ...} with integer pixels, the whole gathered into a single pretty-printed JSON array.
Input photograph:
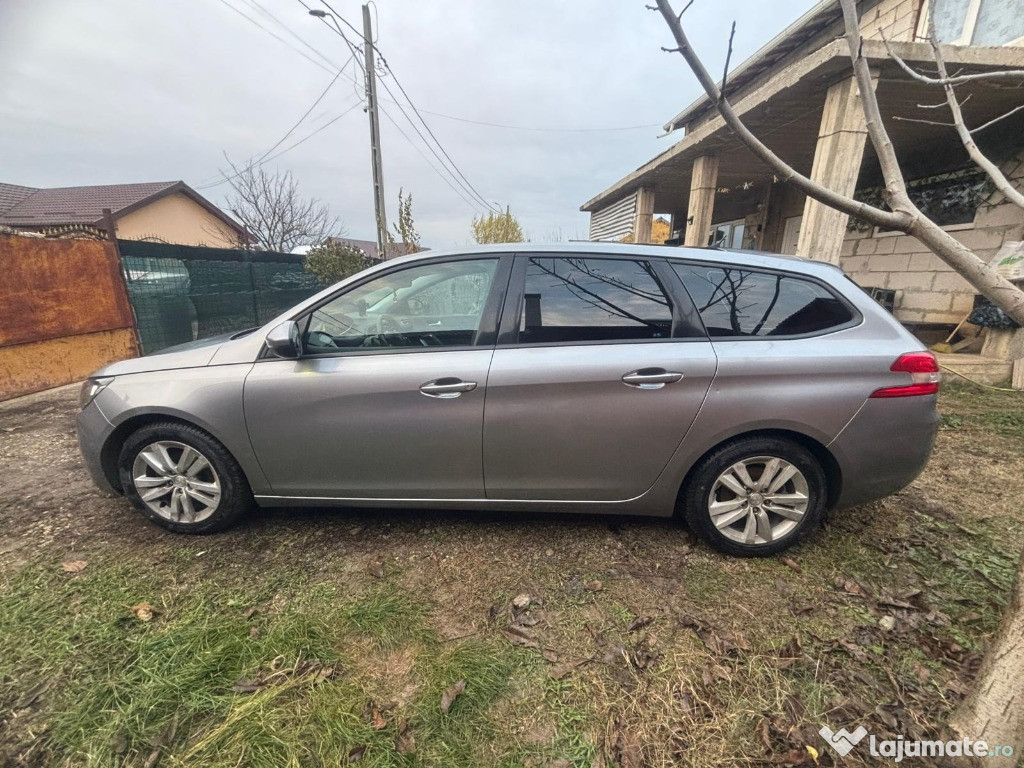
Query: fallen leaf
[
  {"x": 639, "y": 623},
  {"x": 451, "y": 693},
  {"x": 792, "y": 564},
  {"x": 549, "y": 655},
  {"x": 593, "y": 586},
  {"x": 626, "y": 749},
  {"x": 250, "y": 613},
  {"x": 375, "y": 568},
  {"x": 356, "y": 753},
  {"x": 33, "y": 694},
  {"x": 143, "y": 611},
  {"x": 405, "y": 744},
  {"x": 74, "y": 566},
  {"x": 519, "y": 636},
  {"x": 247, "y": 686},
  {"x": 379, "y": 722}
]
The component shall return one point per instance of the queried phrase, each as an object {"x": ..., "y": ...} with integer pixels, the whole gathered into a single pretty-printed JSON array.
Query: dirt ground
[{"x": 581, "y": 640}]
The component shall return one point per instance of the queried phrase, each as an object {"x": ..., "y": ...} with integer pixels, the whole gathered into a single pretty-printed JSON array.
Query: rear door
[{"x": 600, "y": 369}]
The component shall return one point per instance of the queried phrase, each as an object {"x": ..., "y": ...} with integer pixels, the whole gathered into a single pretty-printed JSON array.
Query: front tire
[
  {"x": 755, "y": 496},
  {"x": 183, "y": 479}
]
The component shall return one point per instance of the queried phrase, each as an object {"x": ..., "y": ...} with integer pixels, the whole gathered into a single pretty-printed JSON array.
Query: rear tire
[
  {"x": 183, "y": 479},
  {"x": 755, "y": 496}
]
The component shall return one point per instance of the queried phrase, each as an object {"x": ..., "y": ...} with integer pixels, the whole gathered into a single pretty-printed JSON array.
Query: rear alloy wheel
[
  {"x": 756, "y": 496},
  {"x": 182, "y": 479}
]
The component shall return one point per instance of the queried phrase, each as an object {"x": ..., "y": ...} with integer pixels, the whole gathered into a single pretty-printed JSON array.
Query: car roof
[{"x": 742, "y": 258}]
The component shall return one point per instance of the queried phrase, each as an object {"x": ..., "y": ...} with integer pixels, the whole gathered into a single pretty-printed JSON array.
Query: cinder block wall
[{"x": 929, "y": 291}]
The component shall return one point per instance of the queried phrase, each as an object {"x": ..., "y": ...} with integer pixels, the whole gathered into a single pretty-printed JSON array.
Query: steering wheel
[{"x": 388, "y": 326}]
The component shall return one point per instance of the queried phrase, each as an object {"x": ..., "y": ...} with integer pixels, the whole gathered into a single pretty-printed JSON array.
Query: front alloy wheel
[
  {"x": 176, "y": 482},
  {"x": 182, "y": 478}
]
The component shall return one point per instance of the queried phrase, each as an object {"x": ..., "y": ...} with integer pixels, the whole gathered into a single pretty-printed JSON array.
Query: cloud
[{"x": 125, "y": 91}]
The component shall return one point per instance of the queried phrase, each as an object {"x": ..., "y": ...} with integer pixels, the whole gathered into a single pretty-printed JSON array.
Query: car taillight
[{"x": 924, "y": 376}]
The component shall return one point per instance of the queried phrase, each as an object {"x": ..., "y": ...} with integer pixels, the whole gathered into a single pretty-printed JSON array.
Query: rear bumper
[
  {"x": 884, "y": 447},
  {"x": 93, "y": 430}
]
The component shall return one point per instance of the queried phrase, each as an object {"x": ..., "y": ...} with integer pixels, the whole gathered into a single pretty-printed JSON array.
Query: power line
[
  {"x": 255, "y": 4},
  {"x": 292, "y": 129},
  {"x": 469, "y": 201},
  {"x": 289, "y": 148},
  {"x": 458, "y": 174},
  {"x": 303, "y": 54}
]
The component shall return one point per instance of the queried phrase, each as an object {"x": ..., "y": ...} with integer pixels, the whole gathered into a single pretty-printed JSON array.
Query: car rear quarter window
[
  {"x": 590, "y": 299},
  {"x": 737, "y": 302}
]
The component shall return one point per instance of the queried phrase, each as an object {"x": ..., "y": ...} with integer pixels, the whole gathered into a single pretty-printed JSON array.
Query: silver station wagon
[{"x": 747, "y": 393}]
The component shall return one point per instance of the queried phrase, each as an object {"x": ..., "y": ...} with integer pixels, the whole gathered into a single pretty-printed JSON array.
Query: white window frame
[{"x": 970, "y": 21}]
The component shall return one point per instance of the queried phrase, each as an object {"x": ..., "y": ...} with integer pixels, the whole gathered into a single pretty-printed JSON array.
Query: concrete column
[
  {"x": 837, "y": 158},
  {"x": 703, "y": 183},
  {"x": 643, "y": 218}
]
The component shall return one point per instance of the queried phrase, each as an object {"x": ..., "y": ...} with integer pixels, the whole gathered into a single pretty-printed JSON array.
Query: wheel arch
[
  {"x": 111, "y": 450},
  {"x": 829, "y": 464}
]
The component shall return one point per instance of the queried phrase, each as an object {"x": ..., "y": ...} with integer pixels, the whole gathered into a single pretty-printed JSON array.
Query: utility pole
[{"x": 371, "y": 108}]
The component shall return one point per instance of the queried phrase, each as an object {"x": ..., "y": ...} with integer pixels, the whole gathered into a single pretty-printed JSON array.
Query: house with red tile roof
[{"x": 165, "y": 211}]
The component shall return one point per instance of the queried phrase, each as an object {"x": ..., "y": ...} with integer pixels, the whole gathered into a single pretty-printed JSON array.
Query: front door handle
[
  {"x": 651, "y": 378},
  {"x": 447, "y": 388}
]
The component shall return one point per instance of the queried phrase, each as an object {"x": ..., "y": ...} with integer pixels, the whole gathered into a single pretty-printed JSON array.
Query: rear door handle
[
  {"x": 447, "y": 388},
  {"x": 651, "y": 378}
]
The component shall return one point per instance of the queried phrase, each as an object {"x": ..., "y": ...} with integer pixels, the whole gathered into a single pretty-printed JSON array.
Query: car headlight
[{"x": 91, "y": 388}]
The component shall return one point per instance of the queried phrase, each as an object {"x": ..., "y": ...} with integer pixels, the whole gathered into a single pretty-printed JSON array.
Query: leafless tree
[
  {"x": 994, "y": 711},
  {"x": 902, "y": 214},
  {"x": 273, "y": 211}
]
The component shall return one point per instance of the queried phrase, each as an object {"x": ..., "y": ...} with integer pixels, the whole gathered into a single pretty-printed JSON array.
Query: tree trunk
[{"x": 994, "y": 711}]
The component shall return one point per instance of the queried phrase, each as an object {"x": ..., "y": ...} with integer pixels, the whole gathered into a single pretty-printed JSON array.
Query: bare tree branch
[
  {"x": 999, "y": 74},
  {"x": 784, "y": 171},
  {"x": 728, "y": 58},
  {"x": 270, "y": 207},
  {"x": 904, "y": 215},
  {"x": 994, "y": 120},
  {"x": 1002, "y": 183}
]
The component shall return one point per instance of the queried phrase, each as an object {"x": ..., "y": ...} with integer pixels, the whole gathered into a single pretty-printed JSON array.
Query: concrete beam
[
  {"x": 703, "y": 183},
  {"x": 643, "y": 218},
  {"x": 837, "y": 158}
]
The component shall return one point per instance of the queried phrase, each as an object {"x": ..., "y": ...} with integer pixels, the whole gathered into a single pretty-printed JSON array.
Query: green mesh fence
[{"x": 183, "y": 293}]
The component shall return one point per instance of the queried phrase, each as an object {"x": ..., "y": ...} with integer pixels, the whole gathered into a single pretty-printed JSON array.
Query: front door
[
  {"x": 387, "y": 399},
  {"x": 595, "y": 381}
]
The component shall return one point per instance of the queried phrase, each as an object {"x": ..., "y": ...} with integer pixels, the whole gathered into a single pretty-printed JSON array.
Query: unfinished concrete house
[{"x": 798, "y": 95}]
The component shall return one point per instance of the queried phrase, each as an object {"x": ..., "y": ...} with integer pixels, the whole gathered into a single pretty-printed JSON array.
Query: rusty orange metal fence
[{"x": 64, "y": 312}]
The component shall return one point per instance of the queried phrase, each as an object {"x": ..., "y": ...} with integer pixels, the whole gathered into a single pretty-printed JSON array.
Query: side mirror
[{"x": 285, "y": 340}]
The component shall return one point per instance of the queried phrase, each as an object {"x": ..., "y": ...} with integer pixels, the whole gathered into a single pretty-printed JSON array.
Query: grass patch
[{"x": 121, "y": 688}]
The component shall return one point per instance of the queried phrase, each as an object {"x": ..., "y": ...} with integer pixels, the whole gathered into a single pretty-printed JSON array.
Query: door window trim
[
  {"x": 486, "y": 334},
  {"x": 856, "y": 317},
  {"x": 686, "y": 325}
]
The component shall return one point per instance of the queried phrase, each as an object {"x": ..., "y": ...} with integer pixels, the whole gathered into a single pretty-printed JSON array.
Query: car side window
[
  {"x": 743, "y": 303},
  {"x": 431, "y": 305},
  {"x": 568, "y": 299}
]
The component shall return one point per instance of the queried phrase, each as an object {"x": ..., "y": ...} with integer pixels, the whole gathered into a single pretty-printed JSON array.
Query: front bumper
[
  {"x": 884, "y": 447},
  {"x": 93, "y": 430}
]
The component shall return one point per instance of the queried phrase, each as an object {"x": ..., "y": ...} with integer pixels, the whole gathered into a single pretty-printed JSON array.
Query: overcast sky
[{"x": 148, "y": 90}]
